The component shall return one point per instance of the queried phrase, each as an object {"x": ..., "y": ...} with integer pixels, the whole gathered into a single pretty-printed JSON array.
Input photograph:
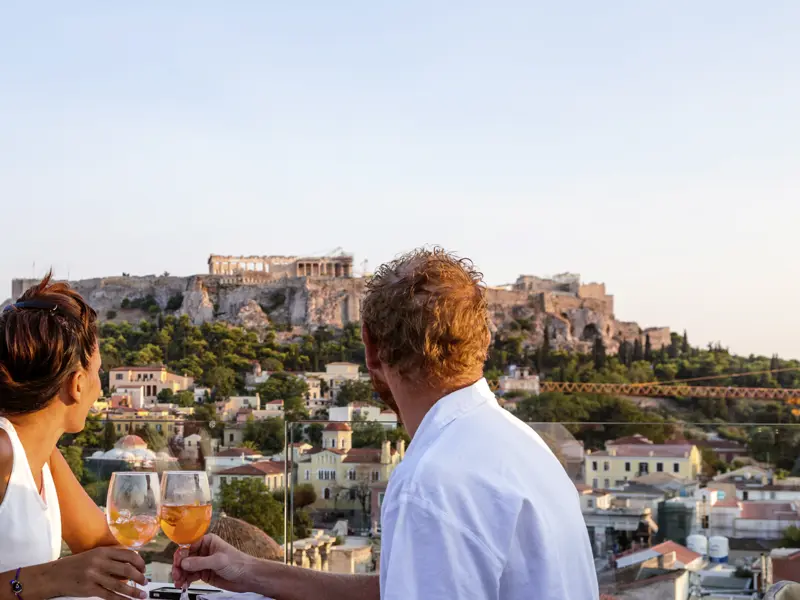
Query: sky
[{"x": 651, "y": 146}]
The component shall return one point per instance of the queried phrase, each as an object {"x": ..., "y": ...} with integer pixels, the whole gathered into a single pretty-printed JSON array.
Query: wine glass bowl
[
  {"x": 132, "y": 507},
  {"x": 185, "y": 513}
]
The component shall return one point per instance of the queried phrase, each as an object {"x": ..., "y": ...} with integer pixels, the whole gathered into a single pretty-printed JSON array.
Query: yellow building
[
  {"x": 343, "y": 476},
  {"x": 127, "y": 420},
  {"x": 622, "y": 462}
]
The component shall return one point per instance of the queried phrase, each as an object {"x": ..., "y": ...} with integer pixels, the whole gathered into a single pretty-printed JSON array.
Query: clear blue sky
[{"x": 650, "y": 145}]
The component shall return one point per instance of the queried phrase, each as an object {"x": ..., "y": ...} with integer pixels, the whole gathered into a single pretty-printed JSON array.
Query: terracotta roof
[
  {"x": 644, "y": 450},
  {"x": 341, "y": 363},
  {"x": 682, "y": 553},
  {"x": 231, "y": 452},
  {"x": 318, "y": 450},
  {"x": 275, "y": 403},
  {"x": 337, "y": 427},
  {"x": 264, "y": 467},
  {"x": 629, "y": 439},
  {"x": 583, "y": 488},
  {"x": 769, "y": 511},
  {"x": 150, "y": 368},
  {"x": 364, "y": 455}
]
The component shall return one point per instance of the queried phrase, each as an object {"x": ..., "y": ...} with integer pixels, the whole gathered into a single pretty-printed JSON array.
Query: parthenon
[{"x": 283, "y": 266}]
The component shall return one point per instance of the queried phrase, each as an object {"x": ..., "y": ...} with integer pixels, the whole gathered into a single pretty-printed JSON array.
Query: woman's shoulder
[{"x": 6, "y": 462}]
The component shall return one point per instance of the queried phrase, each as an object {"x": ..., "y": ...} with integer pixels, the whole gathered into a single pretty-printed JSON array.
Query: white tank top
[{"x": 30, "y": 526}]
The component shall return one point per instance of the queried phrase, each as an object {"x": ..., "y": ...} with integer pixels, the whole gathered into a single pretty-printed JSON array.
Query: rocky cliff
[{"x": 573, "y": 319}]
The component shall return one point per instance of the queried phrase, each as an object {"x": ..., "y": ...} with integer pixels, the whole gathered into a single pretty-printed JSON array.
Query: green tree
[
  {"x": 648, "y": 348},
  {"x": 791, "y": 537},
  {"x": 267, "y": 435},
  {"x": 166, "y": 396},
  {"x": 154, "y": 440},
  {"x": 368, "y": 435},
  {"x": 184, "y": 399},
  {"x": 304, "y": 495},
  {"x": 222, "y": 380},
  {"x": 90, "y": 436},
  {"x": 354, "y": 391},
  {"x": 685, "y": 348},
  {"x": 272, "y": 365},
  {"x": 175, "y": 302},
  {"x": 599, "y": 353},
  {"x": 109, "y": 436},
  {"x": 638, "y": 352},
  {"x": 249, "y": 500},
  {"x": 74, "y": 457}
]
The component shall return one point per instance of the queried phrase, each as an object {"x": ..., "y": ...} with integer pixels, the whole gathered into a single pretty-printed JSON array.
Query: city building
[
  {"x": 622, "y": 462},
  {"x": 270, "y": 473},
  {"x": 228, "y": 409},
  {"x": 129, "y": 453},
  {"x": 358, "y": 411},
  {"x": 231, "y": 457},
  {"x": 518, "y": 379},
  {"x": 152, "y": 380},
  {"x": 192, "y": 446},
  {"x": 127, "y": 420},
  {"x": 343, "y": 476}
]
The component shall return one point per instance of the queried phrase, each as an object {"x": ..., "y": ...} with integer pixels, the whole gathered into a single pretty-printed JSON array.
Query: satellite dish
[{"x": 212, "y": 424}]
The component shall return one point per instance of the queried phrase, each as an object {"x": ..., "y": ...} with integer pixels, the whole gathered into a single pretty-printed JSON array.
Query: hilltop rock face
[
  {"x": 573, "y": 314},
  {"x": 251, "y": 316}
]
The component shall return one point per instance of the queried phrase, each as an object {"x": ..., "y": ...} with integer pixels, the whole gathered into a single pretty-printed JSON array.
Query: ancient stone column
[
  {"x": 300, "y": 555},
  {"x": 324, "y": 552},
  {"x": 313, "y": 555}
]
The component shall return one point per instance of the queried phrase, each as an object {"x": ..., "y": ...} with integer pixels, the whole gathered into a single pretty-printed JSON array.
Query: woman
[{"x": 49, "y": 378}]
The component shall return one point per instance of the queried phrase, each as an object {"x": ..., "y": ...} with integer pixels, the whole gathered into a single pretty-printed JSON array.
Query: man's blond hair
[{"x": 427, "y": 315}]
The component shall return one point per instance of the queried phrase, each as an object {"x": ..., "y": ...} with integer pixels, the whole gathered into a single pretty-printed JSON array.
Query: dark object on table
[{"x": 171, "y": 593}]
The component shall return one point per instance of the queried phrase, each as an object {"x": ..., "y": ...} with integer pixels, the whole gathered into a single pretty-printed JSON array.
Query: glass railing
[{"x": 697, "y": 504}]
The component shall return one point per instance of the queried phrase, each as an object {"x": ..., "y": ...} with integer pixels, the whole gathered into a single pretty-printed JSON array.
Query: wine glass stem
[{"x": 184, "y": 550}]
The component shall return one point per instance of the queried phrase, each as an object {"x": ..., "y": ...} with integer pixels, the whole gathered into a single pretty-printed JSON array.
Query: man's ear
[{"x": 370, "y": 351}]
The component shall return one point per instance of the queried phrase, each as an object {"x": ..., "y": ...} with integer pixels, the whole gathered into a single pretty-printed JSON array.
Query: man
[{"x": 479, "y": 508}]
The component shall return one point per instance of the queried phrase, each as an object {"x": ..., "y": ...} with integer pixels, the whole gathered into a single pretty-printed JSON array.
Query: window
[
  {"x": 159, "y": 428},
  {"x": 745, "y": 495},
  {"x": 606, "y": 484},
  {"x": 606, "y": 466},
  {"x": 376, "y": 476},
  {"x": 627, "y": 467},
  {"x": 326, "y": 494},
  {"x": 230, "y": 437},
  {"x": 119, "y": 427},
  {"x": 118, "y": 376},
  {"x": 380, "y": 499},
  {"x": 594, "y": 483},
  {"x": 676, "y": 467},
  {"x": 594, "y": 465},
  {"x": 351, "y": 474},
  {"x": 643, "y": 467},
  {"x": 342, "y": 443},
  {"x": 308, "y": 475},
  {"x": 224, "y": 480},
  {"x": 590, "y": 503},
  {"x": 660, "y": 467},
  {"x": 352, "y": 493}
]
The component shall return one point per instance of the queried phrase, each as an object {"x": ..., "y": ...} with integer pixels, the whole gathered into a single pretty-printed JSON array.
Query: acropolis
[{"x": 283, "y": 266}]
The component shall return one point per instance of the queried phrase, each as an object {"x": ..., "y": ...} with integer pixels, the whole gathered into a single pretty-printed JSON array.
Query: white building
[
  {"x": 152, "y": 380},
  {"x": 228, "y": 409},
  {"x": 191, "y": 446},
  {"x": 232, "y": 457},
  {"x": 518, "y": 380},
  {"x": 356, "y": 411}
]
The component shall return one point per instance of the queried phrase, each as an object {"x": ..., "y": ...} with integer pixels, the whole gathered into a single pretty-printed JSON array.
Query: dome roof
[
  {"x": 131, "y": 442},
  {"x": 337, "y": 427},
  {"x": 98, "y": 454}
]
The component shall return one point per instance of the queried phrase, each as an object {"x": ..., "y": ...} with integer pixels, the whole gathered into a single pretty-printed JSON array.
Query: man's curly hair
[{"x": 426, "y": 313}]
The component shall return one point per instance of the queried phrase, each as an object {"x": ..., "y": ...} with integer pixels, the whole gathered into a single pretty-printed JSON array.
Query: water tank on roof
[
  {"x": 697, "y": 543},
  {"x": 718, "y": 549}
]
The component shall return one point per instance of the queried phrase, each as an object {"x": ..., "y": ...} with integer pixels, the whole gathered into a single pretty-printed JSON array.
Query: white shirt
[
  {"x": 480, "y": 508},
  {"x": 30, "y": 525}
]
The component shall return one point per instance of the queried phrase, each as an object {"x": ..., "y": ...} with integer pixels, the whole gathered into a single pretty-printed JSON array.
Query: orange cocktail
[
  {"x": 134, "y": 531},
  {"x": 185, "y": 524}
]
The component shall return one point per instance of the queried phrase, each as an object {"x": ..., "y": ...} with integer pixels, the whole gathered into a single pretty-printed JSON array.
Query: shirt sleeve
[{"x": 428, "y": 555}]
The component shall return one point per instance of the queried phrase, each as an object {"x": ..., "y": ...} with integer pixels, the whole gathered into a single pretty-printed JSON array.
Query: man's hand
[{"x": 215, "y": 562}]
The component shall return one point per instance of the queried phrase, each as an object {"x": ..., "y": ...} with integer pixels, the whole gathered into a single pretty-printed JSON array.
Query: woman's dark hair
[{"x": 45, "y": 337}]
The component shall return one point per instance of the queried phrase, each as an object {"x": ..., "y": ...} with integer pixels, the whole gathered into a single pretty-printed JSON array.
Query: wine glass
[
  {"x": 185, "y": 512},
  {"x": 132, "y": 508}
]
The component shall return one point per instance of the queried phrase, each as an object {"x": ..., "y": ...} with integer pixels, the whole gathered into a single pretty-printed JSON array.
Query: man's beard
[{"x": 384, "y": 393}]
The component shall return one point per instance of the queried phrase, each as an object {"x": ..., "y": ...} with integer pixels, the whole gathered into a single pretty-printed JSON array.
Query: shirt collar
[{"x": 449, "y": 408}]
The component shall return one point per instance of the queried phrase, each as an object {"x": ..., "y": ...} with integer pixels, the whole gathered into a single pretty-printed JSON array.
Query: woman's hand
[
  {"x": 214, "y": 562},
  {"x": 101, "y": 572}
]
